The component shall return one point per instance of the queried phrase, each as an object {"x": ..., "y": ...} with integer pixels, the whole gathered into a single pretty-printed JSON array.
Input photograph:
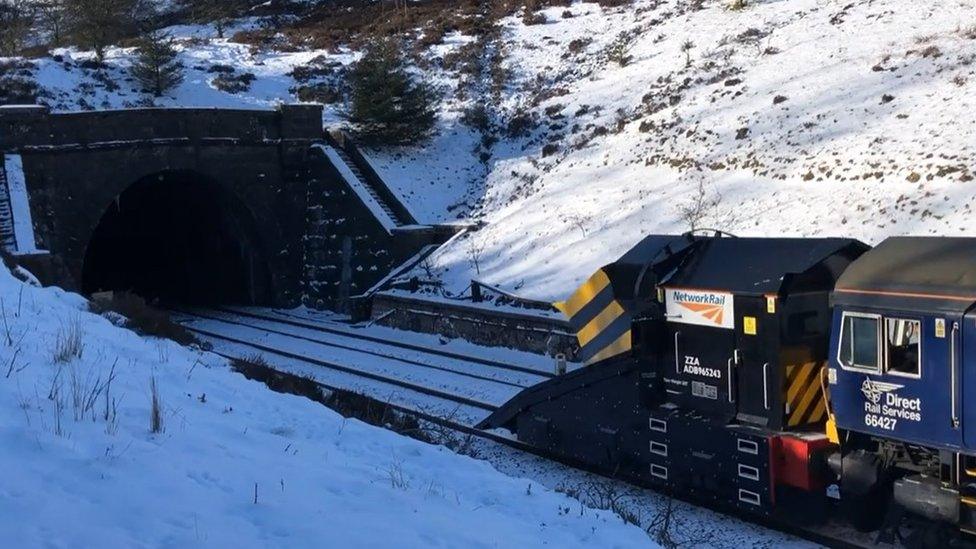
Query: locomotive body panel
[{"x": 893, "y": 375}]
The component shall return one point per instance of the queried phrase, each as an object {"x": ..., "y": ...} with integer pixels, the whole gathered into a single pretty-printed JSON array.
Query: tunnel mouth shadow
[{"x": 178, "y": 237}]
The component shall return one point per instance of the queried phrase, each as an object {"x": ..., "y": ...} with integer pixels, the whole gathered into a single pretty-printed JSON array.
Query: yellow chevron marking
[
  {"x": 799, "y": 382},
  {"x": 620, "y": 346},
  {"x": 599, "y": 323},
  {"x": 819, "y": 410},
  {"x": 584, "y": 294},
  {"x": 812, "y": 390}
]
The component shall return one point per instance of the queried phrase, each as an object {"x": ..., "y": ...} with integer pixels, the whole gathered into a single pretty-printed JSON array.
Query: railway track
[
  {"x": 414, "y": 379},
  {"x": 450, "y": 409},
  {"x": 528, "y": 382},
  {"x": 291, "y": 319}
]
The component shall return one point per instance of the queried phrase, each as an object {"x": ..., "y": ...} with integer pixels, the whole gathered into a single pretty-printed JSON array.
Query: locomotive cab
[{"x": 903, "y": 338}]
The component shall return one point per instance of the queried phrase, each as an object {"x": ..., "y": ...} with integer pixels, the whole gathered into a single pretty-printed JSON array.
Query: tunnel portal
[{"x": 178, "y": 237}]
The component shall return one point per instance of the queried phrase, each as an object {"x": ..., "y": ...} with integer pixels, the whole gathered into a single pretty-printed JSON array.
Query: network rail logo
[{"x": 700, "y": 307}]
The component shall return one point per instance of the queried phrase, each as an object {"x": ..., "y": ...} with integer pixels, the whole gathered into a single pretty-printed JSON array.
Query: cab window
[
  {"x": 859, "y": 345},
  {"x": 902, "y": 346}
]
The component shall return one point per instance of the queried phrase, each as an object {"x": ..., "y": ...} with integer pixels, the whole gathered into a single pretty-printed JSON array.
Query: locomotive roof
[
  {"x": 759, "y": 265},
  {"x": 648, "y": 258},
  {"x": 914, "y": 273}
]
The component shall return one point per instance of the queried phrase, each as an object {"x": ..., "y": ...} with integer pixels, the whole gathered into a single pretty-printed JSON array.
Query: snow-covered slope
[
  {"x": 799, "y": 117},
  {"x": 236, "y": 465},
  {"x": 793, "y": 118}
]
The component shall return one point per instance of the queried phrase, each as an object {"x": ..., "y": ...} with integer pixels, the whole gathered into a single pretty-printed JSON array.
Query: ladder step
[
  {"x": 7, "y": 237},
  {"x": 370, "y": 189}
]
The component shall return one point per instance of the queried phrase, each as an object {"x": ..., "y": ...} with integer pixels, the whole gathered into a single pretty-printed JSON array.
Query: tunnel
[{"x": 178, "y": 238}]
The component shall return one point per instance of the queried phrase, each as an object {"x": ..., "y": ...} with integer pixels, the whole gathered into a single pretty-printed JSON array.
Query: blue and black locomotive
[{"x": 781, "y": 376}]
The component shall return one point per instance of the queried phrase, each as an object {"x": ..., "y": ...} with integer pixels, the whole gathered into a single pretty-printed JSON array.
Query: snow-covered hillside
[
  {"x": 797, "y": 117},
  {"x": 235, "y": 465},
  {"x": 573, "y": 132}
]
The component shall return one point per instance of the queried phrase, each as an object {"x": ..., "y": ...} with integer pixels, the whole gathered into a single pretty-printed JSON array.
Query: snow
[
  {"x": 359, "y": 188},
  {"x": 19, "y": 205},
  {"x": 798, "y": 118},
  {"x": 319, "y": 479},
  {"x": 71, "y": 86},
  {"x": 872, "y": 136}
]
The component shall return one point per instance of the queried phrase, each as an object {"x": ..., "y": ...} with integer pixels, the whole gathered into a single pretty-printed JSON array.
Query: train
[{"x": 800, "y": 378}]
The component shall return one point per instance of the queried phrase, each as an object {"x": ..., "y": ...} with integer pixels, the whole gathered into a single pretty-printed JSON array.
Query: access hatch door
[{"x": 701, "y": 339}]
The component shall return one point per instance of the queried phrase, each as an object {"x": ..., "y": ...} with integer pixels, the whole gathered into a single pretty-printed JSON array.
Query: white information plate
[{"x": 700, "y": 307}]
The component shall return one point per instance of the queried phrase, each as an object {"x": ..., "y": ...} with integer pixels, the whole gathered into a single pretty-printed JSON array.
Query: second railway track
[{"x": 427, "y": 383}]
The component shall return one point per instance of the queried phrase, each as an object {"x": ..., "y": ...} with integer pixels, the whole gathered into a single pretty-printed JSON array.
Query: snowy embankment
[{"x": 235, "y": 464}]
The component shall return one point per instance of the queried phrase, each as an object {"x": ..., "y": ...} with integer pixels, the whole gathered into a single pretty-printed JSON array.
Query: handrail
[
  {"x": 340, "y": 140},
  {"x": 953, "y": 375},
  {"x": 766, "y": 385},
  {"x": 477, "y": 286},
  {"x": 677, "y": 366},
  {"x": 729, "y": 371}
]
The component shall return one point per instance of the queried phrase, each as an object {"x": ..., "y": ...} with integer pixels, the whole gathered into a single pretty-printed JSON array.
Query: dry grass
[
  {"x": 156, "y": 407},
  {"x": 69, "y": 344},
  {"x": 346, "y": 403},
  {"x": 141, "y": 317}
]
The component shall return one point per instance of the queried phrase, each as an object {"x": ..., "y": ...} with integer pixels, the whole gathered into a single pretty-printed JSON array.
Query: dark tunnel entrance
[{"x": 179, "y": 238}]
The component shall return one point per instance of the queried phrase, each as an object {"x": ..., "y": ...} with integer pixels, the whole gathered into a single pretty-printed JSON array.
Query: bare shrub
[
  {"x": 85, "y": 390},
  {"x": 475, "y": 251},
  {"x": 12, "y": 365},
  {"x": 932, "y": 51},
  {"x": 60, "y": 403},
  {"x": 8, "y": 337},
  {"x": 534, "y": 18},
  {"x": 578, "y": 45},
  {"x": 156, "y": 407},
  {"x": 111, "y": 413},
  {"x": 234, "y": 83},
  {"x": 15, "y": 24},
  {"x": 686, "y": 47},
  {"x": 397, "y": 478},
  {"x": 670, "y": 530},
  {"x": 737, "y": 5},
  {"x": 701, "y": 205},
  {"x": 69, "y": 344},
  {"x": 321, "y": 92},
  {"x": 18, "y": 85}
]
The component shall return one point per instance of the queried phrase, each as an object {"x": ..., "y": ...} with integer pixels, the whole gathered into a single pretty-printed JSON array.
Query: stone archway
[{"x": 180, "y": 237}]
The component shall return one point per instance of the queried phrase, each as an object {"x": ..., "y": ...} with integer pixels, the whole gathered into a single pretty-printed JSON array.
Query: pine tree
[
  {"x": 387, "y": 104},
  {"x": 156, "y": 67}
]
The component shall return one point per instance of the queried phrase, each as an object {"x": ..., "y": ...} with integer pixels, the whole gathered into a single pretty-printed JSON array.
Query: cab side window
[
  {"x": 902, "y": 346},
  {"x": 859, "y": 348}
]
